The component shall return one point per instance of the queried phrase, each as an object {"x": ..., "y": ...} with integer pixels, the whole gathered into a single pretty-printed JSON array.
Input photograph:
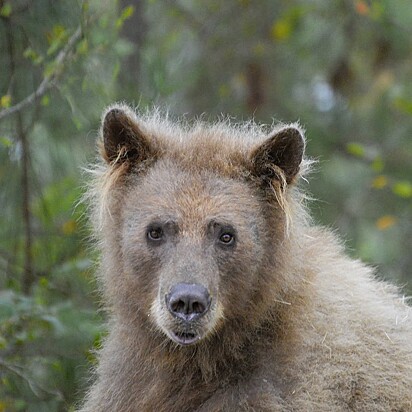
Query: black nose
[{"x": 188, "y": 301}]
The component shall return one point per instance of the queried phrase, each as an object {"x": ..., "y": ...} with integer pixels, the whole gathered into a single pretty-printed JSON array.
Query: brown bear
[{"x": 221, "y": 293}]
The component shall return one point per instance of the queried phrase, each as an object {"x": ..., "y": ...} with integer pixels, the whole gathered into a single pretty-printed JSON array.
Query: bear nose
[{"x": 188, "y": 301}]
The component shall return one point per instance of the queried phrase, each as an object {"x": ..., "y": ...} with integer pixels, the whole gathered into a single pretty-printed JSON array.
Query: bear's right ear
[{"x": 122, "y": 138}]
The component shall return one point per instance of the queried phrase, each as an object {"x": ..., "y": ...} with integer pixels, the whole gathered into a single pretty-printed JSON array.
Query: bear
[{"x": 221, "y": 292}]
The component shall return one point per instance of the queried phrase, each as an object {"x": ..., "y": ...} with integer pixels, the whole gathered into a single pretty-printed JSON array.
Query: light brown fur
[{"x": 294, "y": 325}]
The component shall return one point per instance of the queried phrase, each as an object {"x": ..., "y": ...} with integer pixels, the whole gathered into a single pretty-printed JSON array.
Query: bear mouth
[{"x": 185, "y": 338}]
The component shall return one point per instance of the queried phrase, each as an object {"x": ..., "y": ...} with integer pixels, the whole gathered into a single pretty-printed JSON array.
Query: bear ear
[
  {"x": 280, "y": 156},
  {"x": 122, "y": 137}
]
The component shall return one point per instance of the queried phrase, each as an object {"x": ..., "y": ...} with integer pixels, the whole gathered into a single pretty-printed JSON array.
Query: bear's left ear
[{"x": 280, "y": 156}]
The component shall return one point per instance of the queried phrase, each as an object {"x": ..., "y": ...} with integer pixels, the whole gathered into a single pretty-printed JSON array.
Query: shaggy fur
[{"x": 293, "y": 324}]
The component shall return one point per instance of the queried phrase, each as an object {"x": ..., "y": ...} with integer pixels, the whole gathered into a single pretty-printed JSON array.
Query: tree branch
[
  {"x": 37, "y": 389},
  {"x": 48, "y": 80}
]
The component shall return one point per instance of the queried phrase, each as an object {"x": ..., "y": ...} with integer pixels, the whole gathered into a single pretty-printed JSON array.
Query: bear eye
[
  {"x": 155, "y": 234},
  {"x": 227, "y": 239}
]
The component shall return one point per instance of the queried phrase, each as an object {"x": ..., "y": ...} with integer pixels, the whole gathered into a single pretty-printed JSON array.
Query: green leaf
[
  {"x": 6, "y": 141},
  {"x": 85, "y": 6},
  {"x": 377, "y": 10},
  {"x": 6, "y": 10},
  {"x": 45, "y": 100},
  {"x": 56, "y": 38},
  {"x": 355, "y": 149},
  {"x": 32, "y": 55},
  {"x": 29, "y": 53},
  {"x": 43, "y": 281},
  {"x": 54, "y": 46},
  {"x": 3, "y": 344},
  {"x": 83, "y": 47},
  {"x": 127, "y": 12},
  {"x": 378, "y": 164},
  {"x": 403, "y": 105},
  {"x": 50, "y": 69},
  {"x": 402, "y": 189}
]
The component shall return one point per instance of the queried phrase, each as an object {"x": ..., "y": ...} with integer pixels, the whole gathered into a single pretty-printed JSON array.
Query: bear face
[
  {"x": 196, "y": 246},
  {"x": 195, "y": 229}
]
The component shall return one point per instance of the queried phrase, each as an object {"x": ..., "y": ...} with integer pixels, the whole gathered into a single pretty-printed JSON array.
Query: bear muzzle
[{"x": 187, "y": 303}]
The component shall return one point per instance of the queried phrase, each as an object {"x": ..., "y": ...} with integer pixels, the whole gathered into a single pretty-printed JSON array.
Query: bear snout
[{"x": 188, "y": 302}]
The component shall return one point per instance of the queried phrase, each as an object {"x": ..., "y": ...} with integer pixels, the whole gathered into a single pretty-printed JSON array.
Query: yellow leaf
[
  {"x": 281, "y": 30},
  {"x": 58, "y": 32},
  {"x": 5, "y": 101},
  {"x": 380, "y": 182},
  {"x": 385, "y": 222}
]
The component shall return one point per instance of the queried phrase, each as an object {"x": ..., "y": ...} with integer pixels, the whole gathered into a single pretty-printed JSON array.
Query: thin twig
[
  {"x": 47, "y": 82},
  {"x": 37, "y": 389},
  {"x": 28, "y": 277}
]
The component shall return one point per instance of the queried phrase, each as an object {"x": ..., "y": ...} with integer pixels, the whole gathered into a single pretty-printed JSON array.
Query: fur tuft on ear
[
  {"x": 280, "y": 156},
  {"x": 122, "y": 137}
]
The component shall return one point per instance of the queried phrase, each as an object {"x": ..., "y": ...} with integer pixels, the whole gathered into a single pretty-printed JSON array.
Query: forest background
[{"x": 343, "y": 68}]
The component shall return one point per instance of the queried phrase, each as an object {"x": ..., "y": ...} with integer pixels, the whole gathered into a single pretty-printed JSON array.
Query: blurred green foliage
[{"x": 341, "y": 67}]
